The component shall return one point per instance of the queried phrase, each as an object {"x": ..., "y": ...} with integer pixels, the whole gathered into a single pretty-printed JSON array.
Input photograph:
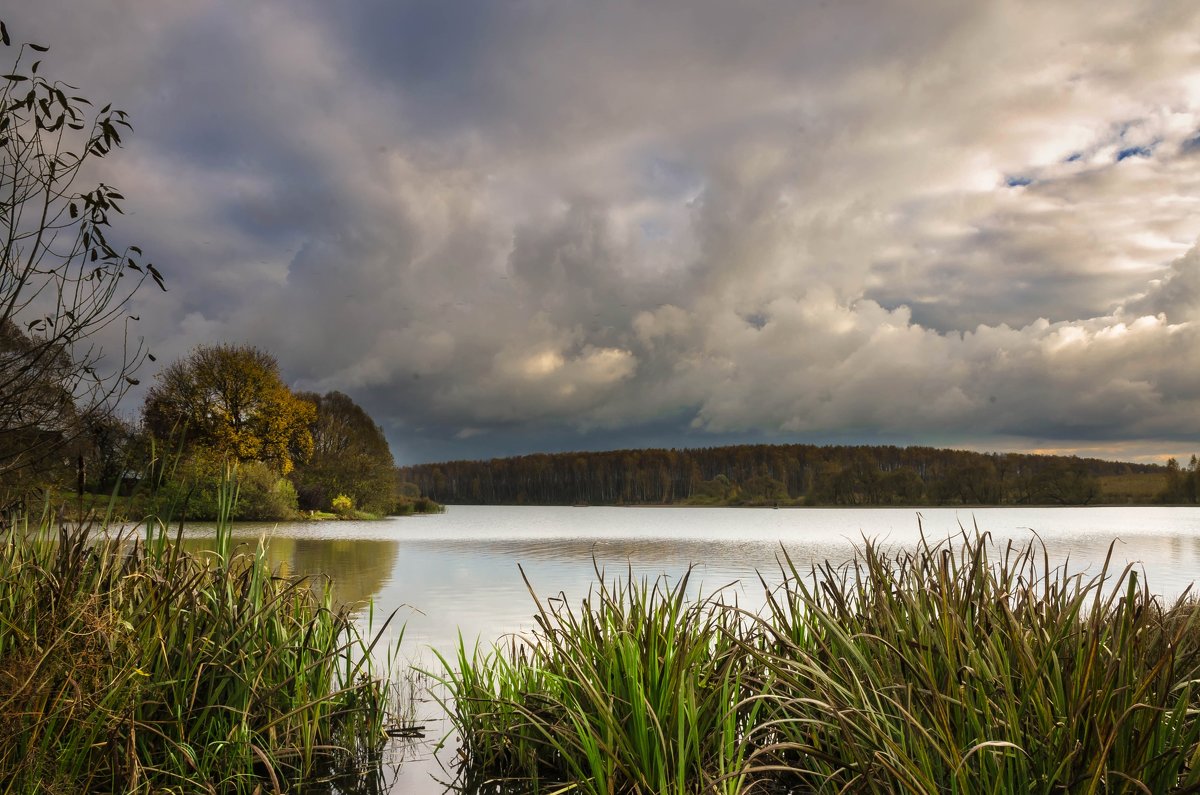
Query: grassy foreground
[
  {"x": 964, "y": 669},
  {"x": 135, "y": 667}
]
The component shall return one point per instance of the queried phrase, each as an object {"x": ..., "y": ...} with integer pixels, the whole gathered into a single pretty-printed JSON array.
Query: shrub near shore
[{"x": 940, "y": 670}]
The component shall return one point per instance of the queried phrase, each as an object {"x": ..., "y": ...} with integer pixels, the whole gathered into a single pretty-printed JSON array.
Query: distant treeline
[{"x": 801, "y": 474}]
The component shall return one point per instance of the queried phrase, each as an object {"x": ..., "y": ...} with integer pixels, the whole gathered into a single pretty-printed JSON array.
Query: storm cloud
[{"x": 509, "y": 226}]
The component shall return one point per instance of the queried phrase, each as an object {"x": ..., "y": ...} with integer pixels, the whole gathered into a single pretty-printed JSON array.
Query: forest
[{"x": 800, "y": 474}]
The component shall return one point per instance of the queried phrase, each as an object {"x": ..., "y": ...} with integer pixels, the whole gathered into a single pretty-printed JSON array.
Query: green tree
[
  {"x": 903, "y": 486},
  {"x": 231, "y": 399},
  {"x": 1175, "y": 490},
  {"x": 350, "y": 456},
  {"x": 1067, "y": 482},
  {"x": 110, "y": 448},
  {"x": 63, "y": 282},
  {"x": 718, "y": 490},
  {"x": 1191, "y": 481},
  {"x": 764, "y": 489},
  {"x": 262, "y": 494},
  {"x": 974, "y": 482},
  {"x": 38, "y": 416}
]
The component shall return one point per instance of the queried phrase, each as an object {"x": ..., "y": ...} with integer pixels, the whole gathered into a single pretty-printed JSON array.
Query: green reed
[
  {"x": 974, "y": 670},
  {"x": 944, "y": 669},
  {"x": 638, "y": 690},
  {"x": 133, "y": 666}
]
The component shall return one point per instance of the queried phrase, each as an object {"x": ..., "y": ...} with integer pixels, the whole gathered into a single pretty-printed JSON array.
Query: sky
[{"x": 508, "y": 226}]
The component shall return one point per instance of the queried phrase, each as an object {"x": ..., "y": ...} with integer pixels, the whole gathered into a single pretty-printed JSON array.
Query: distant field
[{"x": 1133, "y": 488}]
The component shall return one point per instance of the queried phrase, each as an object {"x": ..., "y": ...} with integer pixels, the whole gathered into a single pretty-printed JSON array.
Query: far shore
[{"x": 967, "y": 506}]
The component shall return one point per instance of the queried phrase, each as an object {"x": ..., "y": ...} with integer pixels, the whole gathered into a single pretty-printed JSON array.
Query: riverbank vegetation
[
  {"x": 779, "y": 475},
  {"x": 130, "y": 665},
  {"x": 296, "y": 453},
  {"x": 224, "y": 413},
  {"x": 939, "y": 670}
]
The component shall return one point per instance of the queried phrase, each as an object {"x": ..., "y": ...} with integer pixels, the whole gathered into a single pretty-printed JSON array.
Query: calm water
[{"x": 457, "y": 572}]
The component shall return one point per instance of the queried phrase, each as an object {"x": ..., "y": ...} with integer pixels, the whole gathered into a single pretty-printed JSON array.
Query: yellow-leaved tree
[{"x": 231, "y": 400}]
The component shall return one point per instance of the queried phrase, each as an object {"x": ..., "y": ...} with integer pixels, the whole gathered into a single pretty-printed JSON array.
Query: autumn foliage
[
  {"x": 291, "y": 451},
  {"x": 231, "y": 400}
]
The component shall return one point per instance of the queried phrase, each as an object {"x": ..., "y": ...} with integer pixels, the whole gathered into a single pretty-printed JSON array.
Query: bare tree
[{"x": 61, "y": 281}]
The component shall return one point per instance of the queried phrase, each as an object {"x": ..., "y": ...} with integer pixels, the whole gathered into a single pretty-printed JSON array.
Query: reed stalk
[{"x": 129, "y": 665}]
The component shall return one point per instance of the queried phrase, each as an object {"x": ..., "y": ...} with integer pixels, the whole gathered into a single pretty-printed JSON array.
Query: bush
[
  {"x": 408, "y": 506},
  {"x": 264, "y": 495},
  {"x": 342, "y": 505},
  {"x": 193, "y": 491}
]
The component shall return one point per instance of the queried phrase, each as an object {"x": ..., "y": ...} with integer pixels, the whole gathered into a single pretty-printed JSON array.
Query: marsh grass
[
  {"x": 964, "y": 668},
  {"x": 634, "y": 691},
  {"x": 130, "y": 665}
]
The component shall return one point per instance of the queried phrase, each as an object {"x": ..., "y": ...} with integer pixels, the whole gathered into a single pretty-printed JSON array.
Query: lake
[{"x": 458, "y": 572}]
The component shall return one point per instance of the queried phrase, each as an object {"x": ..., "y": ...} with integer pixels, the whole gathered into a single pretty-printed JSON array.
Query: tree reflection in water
[{"x": 358, "y": 568}]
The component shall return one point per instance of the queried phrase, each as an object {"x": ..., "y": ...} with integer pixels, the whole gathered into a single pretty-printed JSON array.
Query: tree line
[{"x": 785, "y": 475}]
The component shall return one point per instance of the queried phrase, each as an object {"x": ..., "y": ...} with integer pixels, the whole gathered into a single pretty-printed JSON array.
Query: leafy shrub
[
  {"x": 262, "y": 494},
  {"x": 193, "y": 491},
  {"x": 342, "y": 504}
]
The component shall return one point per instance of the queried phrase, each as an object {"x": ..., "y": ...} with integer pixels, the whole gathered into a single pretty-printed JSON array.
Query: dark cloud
[
  {"x": 508, "y": 226},
  {"x": 1176, "y": 295}
]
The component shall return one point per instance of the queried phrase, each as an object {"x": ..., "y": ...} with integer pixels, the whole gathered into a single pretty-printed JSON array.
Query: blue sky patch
[{"x": 1134, "y": 151}]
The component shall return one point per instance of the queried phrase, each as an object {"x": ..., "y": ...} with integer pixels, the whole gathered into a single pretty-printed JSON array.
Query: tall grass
[
  {"x": 133, "y": 666},
  {"x": 635, "y": 691},
  {"x": 944, "y": 669}
]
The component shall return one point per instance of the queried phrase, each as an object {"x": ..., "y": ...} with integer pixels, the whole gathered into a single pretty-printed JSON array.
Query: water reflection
[{"x": 357, "y": 568}]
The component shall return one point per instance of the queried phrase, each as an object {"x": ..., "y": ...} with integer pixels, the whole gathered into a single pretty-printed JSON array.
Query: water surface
[{"x": 458, "y": 572}]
